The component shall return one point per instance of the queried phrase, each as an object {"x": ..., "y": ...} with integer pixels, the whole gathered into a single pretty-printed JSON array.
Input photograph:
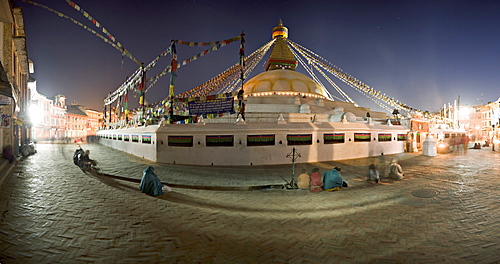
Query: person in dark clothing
[
  {"x": 332, "y": 180},
  {"x": 77, "y": 156},
  {"x": 151, "y": 184},
  {"x": 7, "y": 153},
  {"x": 85, "y": 160}
]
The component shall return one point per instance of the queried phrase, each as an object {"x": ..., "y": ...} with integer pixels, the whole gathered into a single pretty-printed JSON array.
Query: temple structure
[{"x": 281, "y": 110}]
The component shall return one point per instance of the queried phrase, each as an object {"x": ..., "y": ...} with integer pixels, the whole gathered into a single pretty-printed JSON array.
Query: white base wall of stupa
[
  {"x": 116, "y": 138},
  {"x": 240, "y": 154}
]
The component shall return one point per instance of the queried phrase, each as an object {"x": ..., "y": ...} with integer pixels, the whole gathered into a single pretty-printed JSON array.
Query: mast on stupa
[{"x": 281, "y": 56}]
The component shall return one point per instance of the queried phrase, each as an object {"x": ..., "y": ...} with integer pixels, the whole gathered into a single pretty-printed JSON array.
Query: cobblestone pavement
[{"x": 446, "y": 210}]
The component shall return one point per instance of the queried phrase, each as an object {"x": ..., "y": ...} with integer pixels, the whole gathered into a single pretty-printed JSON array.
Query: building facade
[
  {"x": 54, "y": 121},
  {"x": 76, "y": 122},
  {"x": 15, "y": 127}
]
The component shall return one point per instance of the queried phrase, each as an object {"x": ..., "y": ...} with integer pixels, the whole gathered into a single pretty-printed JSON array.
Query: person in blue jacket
[
  {"x": 332, "y": 180},
  {"x": 150, "y": 184}
]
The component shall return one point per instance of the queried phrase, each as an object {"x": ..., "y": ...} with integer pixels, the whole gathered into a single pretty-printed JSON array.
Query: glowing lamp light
[
  {"x": 35, "y": 115},
  {"x": 464, "y": 111}
]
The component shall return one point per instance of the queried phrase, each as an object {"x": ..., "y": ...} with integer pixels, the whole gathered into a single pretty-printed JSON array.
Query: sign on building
[{"x": 213, "y": 106}]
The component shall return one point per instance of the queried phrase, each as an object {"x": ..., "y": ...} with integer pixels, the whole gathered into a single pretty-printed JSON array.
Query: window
[
  {"x": 126, "y": 137},
  {"x": 384, "y": 137},
  {"x": 334, "y": 138},
  {"x": 401, "y": 137},
  {"x": 146, "y": 139},
  {"x": 300, "y": 139},
  {"x": 119, "y": 137},
  {"x": 260, "y": 140},
  {"x": 362, "y": 137},
  {"x": 220, "y": 141},
  {"x": 180, "y": 141},
  {"x": 135, "y": 138}
]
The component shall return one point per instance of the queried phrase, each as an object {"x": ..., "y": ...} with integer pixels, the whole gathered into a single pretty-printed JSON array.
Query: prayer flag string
[
  {"x": 358, "y": 85},
  {"x": 122, "y": 50},
  {"x": 134, "y": 79},
  {"x": 202, "y": 44},
  {"x": 218, "y": 45},
  {"x": 230, "y": 75},
  {"x": 93, "y": 20}
]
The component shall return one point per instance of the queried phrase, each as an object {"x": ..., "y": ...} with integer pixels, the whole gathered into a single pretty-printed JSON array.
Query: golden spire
[
  {"x": 280, "y": 30},
  {"x": 281, "y": 56}
]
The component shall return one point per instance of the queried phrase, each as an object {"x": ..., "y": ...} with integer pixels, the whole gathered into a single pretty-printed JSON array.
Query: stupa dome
[{"x": 283, "y": 82}]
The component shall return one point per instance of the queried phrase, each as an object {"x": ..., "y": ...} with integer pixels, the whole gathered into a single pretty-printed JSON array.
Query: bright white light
[
  {"x": 464, "y": 112},
  {"x": 35, "y": 114}
]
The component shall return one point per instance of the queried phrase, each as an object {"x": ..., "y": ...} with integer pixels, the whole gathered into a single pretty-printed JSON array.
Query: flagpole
[
  {"x": 173, "y": 75},
  {"x": 241, "y": 92},
  {"x": 142, "y": 91}
]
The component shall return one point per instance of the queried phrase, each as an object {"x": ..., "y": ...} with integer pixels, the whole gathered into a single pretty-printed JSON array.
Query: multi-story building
[
  {"x": 14, "y": 76},
  {"x": 58, "y": 118},
  {"x": 48, "y": 116},
  {"x": 76, "y": 122},
  {"x": 54, "y": 121},
  {"x": 469, "y": 119},
  {"x": 39, "y": 112},
  {"x": 94, "y": 119},
  {"x": 491, "y": 121},
  {"x": 25, "y": 114},
  {"x": 481, "y": 123}
]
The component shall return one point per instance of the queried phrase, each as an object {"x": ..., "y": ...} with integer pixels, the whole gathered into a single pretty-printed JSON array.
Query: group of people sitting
[
  {"x": 332, "y": 180},
  {"x": 82, "y": 159},
  {"x": 394, "y": 171}
]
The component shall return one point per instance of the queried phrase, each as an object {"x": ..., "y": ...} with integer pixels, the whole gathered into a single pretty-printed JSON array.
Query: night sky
[{"x": 422, "y": 53}]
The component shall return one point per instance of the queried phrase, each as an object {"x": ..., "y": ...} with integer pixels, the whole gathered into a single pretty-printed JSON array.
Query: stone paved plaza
[{"x": 446, "y": 210}]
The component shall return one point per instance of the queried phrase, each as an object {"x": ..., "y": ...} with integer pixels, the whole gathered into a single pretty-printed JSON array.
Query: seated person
[
  {"x": 373, "y": 174},
  {"x": 315, "y": 182},
  {"x": 303, "y": 180},
  {"x": 77, "y": 156},
  {"x": 7, "y": 153},
  {"x": 395, "y": 171},
  {"x": 332, "y": 180},
  {"x": 85, "y": 160},
  {"x": 150, "y": 184}
]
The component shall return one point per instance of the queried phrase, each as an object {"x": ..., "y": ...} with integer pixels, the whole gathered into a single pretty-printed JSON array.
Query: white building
[{"x": 284, "y": 110}]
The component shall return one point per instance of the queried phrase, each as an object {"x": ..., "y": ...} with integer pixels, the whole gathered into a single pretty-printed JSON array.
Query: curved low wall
[
  {"x": 240, "y": 144},
  {"x": 140, "y": 141}
]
